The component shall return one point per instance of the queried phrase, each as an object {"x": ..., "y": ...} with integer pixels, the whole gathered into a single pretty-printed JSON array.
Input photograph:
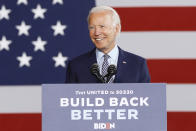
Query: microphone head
[
  {"x": 94, "y": 69},
  {"x": 112, "y": 70}
]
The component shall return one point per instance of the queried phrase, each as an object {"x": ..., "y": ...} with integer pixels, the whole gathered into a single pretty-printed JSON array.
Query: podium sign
[{"x": 115, "y": 107}]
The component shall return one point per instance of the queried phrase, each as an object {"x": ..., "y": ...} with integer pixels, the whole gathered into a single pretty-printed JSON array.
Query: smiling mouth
[{"x": 98, "y": 39}]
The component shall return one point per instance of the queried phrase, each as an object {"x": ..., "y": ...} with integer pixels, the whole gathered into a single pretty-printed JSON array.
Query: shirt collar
[{"x": 113, "y": 53}]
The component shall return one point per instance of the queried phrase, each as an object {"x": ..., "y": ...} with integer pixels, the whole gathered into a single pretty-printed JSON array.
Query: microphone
[
  {"x": 95, "y": 71},
  {"x": 112, "y": 70}
]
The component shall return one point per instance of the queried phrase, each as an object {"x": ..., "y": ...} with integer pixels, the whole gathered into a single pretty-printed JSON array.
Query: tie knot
[{"x": 106, "y": 57}]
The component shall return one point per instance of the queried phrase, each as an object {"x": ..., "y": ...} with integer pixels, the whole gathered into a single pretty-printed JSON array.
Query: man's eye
[
  {"x": 90, "y": 27},
  {"x": 102, "y": 26}
]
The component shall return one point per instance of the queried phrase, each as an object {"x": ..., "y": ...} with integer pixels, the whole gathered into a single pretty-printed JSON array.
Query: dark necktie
[{"x": 105, "y": 65}]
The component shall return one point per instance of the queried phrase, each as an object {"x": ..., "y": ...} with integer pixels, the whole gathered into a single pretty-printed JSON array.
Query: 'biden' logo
[{"x": 104, "y": 126}]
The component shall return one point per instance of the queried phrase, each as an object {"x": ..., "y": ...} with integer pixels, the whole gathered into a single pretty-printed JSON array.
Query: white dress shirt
[{"x": 113, "y": 57}]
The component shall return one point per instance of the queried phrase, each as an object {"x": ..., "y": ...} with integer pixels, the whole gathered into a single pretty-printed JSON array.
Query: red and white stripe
[{"x": 162, "y": 31}]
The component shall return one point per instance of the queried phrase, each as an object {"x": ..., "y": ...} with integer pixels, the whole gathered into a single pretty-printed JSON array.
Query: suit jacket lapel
[
  {"x": 121, "y": 63},
  {"x": 91, "y": 60}
]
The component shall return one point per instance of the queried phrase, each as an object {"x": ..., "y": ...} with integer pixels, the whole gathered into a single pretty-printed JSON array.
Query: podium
[{"x": 115, "y": 107}]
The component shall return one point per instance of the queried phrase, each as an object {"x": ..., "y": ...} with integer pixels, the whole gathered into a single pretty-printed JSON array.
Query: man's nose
[{"x": 97, "y": 31}]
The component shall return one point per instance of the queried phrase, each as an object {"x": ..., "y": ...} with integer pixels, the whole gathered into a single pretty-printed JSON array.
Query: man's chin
[
  {"x": 101, "y": 48},
  {"x": 104, "y": 50}
]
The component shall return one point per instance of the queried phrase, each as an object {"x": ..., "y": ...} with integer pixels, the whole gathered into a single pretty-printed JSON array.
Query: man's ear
[{"x": 117, "y": 28}]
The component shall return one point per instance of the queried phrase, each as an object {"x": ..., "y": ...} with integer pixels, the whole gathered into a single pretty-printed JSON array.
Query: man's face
[{"x": 102, "y": 31}]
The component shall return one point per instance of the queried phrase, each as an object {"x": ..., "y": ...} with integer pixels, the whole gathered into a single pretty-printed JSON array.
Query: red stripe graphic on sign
[{"x": 158, "y": 18}]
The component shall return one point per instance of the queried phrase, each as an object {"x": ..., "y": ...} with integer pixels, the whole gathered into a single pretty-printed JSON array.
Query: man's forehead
[{"x": 102, "y": 12}]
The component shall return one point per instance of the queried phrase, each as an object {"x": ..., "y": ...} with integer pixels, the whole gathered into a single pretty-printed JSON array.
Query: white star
[
  {"x": 22, "y": 2},
  {"x": 39, "y": 12},
  {"x": 58, "y": 28},
  {"x": 4, "y": 13},
  {"x": 57, "y": 1},
  {"x": 24, "y": 60},
  {"x": 4, "y": 43},
  {"x": 23, "y": 29},
  {"x": 60, "y": 60},
  {"x": 39, "y": 44}
]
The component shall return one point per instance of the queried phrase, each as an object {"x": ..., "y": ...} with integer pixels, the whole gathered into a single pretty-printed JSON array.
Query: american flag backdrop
[{"x": 38, "y": 37}]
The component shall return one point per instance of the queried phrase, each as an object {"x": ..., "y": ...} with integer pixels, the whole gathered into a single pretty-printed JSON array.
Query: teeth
[{"x": 98, "y": 39}]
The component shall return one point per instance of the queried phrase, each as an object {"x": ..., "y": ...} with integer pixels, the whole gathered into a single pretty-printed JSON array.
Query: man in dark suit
[{"x": 104, "y": 27}]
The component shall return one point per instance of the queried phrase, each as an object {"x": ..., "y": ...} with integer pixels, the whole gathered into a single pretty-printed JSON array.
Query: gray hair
[{"x": 115, "y": 16}]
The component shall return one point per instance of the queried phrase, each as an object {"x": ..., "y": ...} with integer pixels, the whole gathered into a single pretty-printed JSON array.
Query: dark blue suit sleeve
[
  {"x": 144, "y": 73},
  {"x": 70, "y": 77}
]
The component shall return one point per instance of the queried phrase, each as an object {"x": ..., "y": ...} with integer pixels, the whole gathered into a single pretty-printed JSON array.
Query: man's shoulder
[
  {"x": 130, "y": 56},
  {"x": 83, "y": 57}
]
